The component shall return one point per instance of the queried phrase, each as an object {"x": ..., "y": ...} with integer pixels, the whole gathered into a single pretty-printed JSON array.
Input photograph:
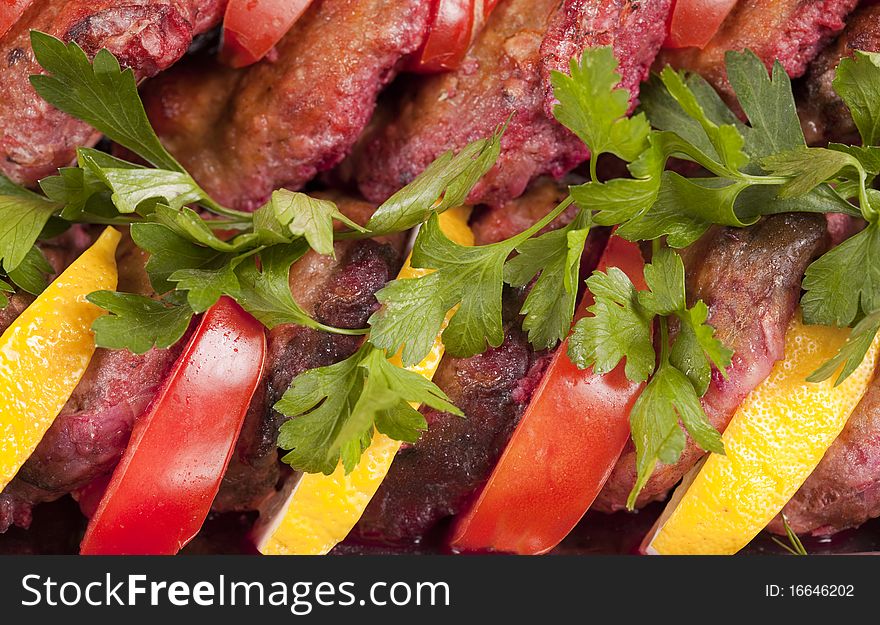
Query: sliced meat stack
[
  {"x": 506, "y": 76},
  {"x": 339, "y": 293},
  {"x": 824, "y": 116},
  {"x": 790, "y": 31},
  {"x": 146, "y": 35},
  {"x": 750, "y": 278},
  {"x": 244, "y": 133}
]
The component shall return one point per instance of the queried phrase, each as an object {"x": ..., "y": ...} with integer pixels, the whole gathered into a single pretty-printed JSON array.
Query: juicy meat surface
[
  {"x": 340, "y": 293},
  {"x": 750, "y": 279},
  {"x": 88, "y": 437},
  {"x": 437, "y": 476},
  {"x": 844, "y": 490},
  {"x": 244, "y": 133},
  {"x": 505, "y": 76},
  {"x": 824, "y": 115},
  {"x": 792, "y": 31},
  {"x": 146, "y": 35}
]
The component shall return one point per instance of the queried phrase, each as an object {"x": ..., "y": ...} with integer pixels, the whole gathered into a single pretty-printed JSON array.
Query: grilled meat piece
[
  {"x": 750, "y": 279},
  {"x": 824, "y": 116},
  {"x": 844, "y": 490},
  {"x": 88, "y": 437},
  {"x": 505, "y": 76},
  {"x": 244, "y": 133},
  {"x": 792, "y": 31},
  {"x": 340, "y": 293},
  {"x": 146, "y": 35},
  {"x": 437, "y": 477}
]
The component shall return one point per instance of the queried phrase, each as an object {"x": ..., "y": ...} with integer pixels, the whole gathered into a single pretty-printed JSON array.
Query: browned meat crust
[
  {"x": 436, "y": 477},
  {"x": 750, "y": 279},
  {"x": 792, "y": 31},
  {"x": 147, "y": 35},
  {"x": 824, "y": 115},
  {"x": 87, "y": 439},
  {"x": 844, "y": 490},
  {"x": 244, "y": 133},
  {"x": 505, "y": 76},
  {"x": 339, "y": 293}
]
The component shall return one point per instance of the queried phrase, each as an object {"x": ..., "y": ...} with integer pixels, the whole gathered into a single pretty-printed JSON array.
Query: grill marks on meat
[
  {"x": 750, "y": 279},
  {"x": 244, "y": 133},
  {"x": 824, "y": 115},
  {"x": 505, "y": 75},
  {"x": 340, "y": 294},
  {"x": 792, "y": 31},
  {"x": 146, "y": 35},
  {"x": 844, "y": 490}
]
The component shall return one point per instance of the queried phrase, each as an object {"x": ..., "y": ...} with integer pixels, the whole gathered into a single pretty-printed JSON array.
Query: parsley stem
[
  {"x": 345, "y": 331},
  {"x": 545, "y": 221},
  {"x": 662, "y": 321},
  {"x": 214, "y": 207},
  {"x": 593, "y": 175}
]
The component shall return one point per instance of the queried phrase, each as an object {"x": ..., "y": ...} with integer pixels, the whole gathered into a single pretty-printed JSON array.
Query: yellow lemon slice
[
  {"x": 322, "y": 509},
  {"x": 774, "y": 441},
  {"x": 46, "y": 350}
]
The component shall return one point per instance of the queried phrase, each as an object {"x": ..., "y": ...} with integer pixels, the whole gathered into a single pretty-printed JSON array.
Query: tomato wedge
[
  {"x": 695, "y": 22},
  {"x": 162, "y": 490},
  {"x": 251, "y": 28},
  {"x": 562, "y": 451},
  {"x": 449, "y": 36},
  {"x": 10, "y": 12}
]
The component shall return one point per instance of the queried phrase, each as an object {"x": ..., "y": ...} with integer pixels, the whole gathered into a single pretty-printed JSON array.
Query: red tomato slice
[
  {"x": 162, "y": 490},
  {"x": 562, "y": 451},
  {"x": 695, "y": 22},
  {"x": 10, "y": 12},
  {"x": 449, "y": 36},
  {"x": 251, "y": 28}
]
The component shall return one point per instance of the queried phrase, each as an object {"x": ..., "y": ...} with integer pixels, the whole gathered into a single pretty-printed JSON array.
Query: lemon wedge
[
  {"x": 46, "y": 350},
  {"x": 774, "y": 441},
  {"x": 322, "y": 509}
]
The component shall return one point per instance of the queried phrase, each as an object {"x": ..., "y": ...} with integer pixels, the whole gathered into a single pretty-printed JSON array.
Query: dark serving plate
[{"x": 58, "y": 527}]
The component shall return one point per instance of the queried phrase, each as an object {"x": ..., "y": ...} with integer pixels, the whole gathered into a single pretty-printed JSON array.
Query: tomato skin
[
  {"x": 693, "y": 23},
  {"x": 163, "y": 487},
  {"x": 562, "y": 451},
  {"x": 449, "y": 36},
  {"x": 251, "y": 28},
  {"x": 10, "y": 12}
]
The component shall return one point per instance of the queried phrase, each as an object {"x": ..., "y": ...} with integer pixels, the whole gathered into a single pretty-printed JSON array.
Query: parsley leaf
[
  {"x": 668, "y": 397},
  {"x": 31, "y": 274},
  {"x": 842, "y": 279},
  {"x": 23, "y": 214},
  {"x": 445, "y": 183},
  {"x": 309, "y": 217},
  {"x": 5, "y": 288},
  {"x": 469, "y": 277},
  {"x": 169, "y": 252},
  {"x": 591, "y": 107},
  {"x": 138, "y": 323},
  {"x": 335, "y": 409},
  {"x": 99, "y": 93},
  {"x": 205, "y": 286},
  {"x": 768, "y": 103},
  {"x": 858, "y": 84},
  {"x": 853, "y": 351},
  {"x": 618, "y": 328},
  {"x": 556, "y": 256}
]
